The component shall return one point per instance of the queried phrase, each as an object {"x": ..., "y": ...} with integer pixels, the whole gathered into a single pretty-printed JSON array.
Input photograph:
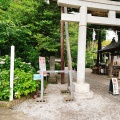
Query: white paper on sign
[
  {"x": 115, "y": 86},
  {"x": 42, "y": 65}
]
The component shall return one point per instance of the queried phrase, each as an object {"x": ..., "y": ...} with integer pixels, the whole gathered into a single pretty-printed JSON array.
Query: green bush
[
  {"x": 18, "y": 64},
  {"x": 4, "y": 84},
  {"x": 23, "y": 79},
  {"x": 23, "y": 83},
  {"x": 57, "y": 66}
]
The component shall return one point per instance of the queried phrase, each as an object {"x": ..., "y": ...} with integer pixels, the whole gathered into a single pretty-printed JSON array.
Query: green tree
[
  {"x": 47, "y": 33},
  {"x": 31, "y": 26}
]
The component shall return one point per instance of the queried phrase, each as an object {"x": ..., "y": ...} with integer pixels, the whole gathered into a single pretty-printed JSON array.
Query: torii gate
[{"x": 82, "y": 89}]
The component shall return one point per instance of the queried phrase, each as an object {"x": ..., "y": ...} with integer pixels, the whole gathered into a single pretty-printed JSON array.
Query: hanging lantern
[{"x": 116, "y": 36}]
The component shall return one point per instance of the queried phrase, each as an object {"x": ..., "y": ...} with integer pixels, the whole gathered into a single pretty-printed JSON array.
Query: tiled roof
[{"x": 112, "y": 47}]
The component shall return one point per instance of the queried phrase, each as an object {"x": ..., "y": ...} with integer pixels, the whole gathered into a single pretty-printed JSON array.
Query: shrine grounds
[{"x": 103, "y": 106}]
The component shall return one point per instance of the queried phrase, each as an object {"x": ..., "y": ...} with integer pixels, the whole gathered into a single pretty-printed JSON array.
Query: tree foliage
[{"x": 32, "y": 26}]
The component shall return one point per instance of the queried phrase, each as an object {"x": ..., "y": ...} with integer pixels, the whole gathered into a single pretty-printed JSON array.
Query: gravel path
[
  {"x": 103, "y": 106},
  {"x": 100, "y": 85}
]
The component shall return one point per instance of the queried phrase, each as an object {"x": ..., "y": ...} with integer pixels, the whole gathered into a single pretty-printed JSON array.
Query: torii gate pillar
[{"x": 82, "y": 89}]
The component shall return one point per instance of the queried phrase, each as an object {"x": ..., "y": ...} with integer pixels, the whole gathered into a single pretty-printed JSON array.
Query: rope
[{"x": 98, "y": 29}]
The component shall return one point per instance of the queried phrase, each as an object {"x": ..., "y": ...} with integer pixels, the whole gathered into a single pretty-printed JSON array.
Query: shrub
[
  {"x": 23, "y": 83},
  {"x": 23, "y": 79},
  {"x": 4, "y": 85}
]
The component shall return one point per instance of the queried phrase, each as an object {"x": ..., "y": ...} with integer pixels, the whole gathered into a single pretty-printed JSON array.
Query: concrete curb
[{"x": 9, "y": 104}]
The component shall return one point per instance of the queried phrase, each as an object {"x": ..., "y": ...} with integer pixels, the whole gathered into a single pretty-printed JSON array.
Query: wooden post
[
  {"x": 11, "y": 72},
  {"x": 111, "y": 66}
]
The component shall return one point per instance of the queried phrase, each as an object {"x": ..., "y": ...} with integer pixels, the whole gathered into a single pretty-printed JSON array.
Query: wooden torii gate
[{"x": 82, "y": 89}]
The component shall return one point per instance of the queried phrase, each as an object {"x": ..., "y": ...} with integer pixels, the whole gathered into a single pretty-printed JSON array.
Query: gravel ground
[{"x": 103, "y": 106}]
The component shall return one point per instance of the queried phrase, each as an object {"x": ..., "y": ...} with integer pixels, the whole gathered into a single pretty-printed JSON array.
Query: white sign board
[
  {"x": 42, "y": 65},
  {"x": 115, "y": 86}
]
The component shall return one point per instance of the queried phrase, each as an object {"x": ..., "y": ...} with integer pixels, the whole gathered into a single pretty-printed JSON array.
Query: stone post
[
  {"x": 52, "y": 65},
  {"x": 52, "y": 78},
  {"x": 82, "y": 89}
]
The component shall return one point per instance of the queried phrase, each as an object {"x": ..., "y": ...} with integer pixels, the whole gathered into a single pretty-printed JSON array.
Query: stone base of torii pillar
[{"x": 82, "y": 91}]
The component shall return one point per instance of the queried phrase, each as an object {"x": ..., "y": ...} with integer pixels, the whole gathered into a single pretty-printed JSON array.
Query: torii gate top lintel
[
  {"x": 110, "y": 8},
  {"x": 89, "y": 3}
]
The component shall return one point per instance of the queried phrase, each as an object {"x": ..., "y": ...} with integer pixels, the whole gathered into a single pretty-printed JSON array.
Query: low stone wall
[{"x": 14, "y": 102}]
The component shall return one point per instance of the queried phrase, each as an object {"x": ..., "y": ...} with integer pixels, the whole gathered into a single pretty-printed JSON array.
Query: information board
[
  {"x": 37, "y": 76},
  {"x": 42, "y": 65},
  {"x": 115, "y": 86}
]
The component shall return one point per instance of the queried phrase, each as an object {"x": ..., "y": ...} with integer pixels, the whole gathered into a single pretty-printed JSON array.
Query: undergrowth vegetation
[{"x": 23, "y": 79}]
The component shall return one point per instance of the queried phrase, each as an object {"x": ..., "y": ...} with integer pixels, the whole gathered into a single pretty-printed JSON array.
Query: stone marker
[{"x": 52, "y": 78}]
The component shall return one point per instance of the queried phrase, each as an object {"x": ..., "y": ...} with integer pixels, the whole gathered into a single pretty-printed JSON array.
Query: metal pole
[
  {"x": 42, "y": 87},
  {"x": 63, "y": 71},
  {"x": 71, "y": 88},
  {"x": 62, "y": 49}
]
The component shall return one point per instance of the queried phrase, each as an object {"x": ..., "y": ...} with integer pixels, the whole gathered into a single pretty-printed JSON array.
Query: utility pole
[{"x": 62, "y": 49}]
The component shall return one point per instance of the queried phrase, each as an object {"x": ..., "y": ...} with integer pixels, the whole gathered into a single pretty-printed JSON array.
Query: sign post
[
  {"x": 42, "y": 67},
  {"x": 42, "y": 85}
]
